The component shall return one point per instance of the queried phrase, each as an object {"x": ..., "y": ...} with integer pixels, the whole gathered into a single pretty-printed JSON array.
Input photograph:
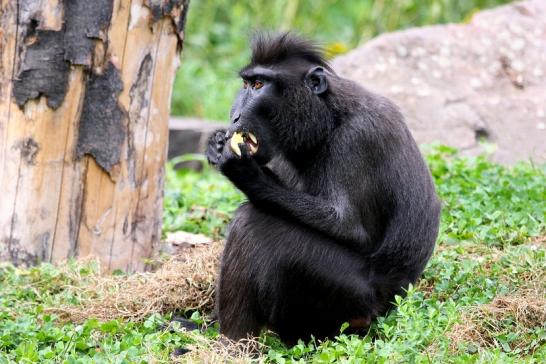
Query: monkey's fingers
[
  {"x": 212, "y": 153},
  {"x": 213, "y": 157},
  {"x": 245, "y": 153},
  {"x": 220, "y": 139}
]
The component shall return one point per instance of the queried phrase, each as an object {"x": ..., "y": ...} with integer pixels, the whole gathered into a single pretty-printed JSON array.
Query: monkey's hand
[
  {"x": 241, "y": 170},
  {"x": 215, "y": 147}
]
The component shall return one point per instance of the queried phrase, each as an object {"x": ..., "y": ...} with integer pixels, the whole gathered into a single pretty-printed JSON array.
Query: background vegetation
[{"x": 217, "y": 33}]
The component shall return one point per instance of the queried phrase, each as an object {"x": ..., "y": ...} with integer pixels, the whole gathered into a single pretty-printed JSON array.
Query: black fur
[
  {"x": 270, "y": 51},
  {"x": 342, "y": 212}
]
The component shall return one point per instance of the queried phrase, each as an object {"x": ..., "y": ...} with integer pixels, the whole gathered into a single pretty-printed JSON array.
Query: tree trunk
[{"x": 84, "y": 108}]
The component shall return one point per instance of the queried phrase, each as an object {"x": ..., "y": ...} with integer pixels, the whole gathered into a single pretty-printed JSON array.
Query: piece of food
[{"x": 245, "y": 138}]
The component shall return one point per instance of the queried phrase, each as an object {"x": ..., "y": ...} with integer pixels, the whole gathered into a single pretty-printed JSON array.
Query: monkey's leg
[{"x": 236, "y": 308}]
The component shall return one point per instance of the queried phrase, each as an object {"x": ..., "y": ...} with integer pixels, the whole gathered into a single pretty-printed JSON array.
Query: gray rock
[
  {"x": 189, "y": 136},
  {"x": 458, "y": 84}
]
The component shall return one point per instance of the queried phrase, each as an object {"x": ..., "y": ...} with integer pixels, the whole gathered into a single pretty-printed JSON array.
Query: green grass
[
  {"x": 28, "y": 334},
  {"x": 491, "y": 216},
  {"x": 488, "y": 203},
  {"x": 217, "y": 33},
  {"x": 198, "y": 202}
]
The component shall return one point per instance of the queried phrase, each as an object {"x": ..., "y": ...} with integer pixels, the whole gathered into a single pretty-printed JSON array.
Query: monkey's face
[
  {"x": 250, "y": 112},
  {"x": 283, "y": 107}
]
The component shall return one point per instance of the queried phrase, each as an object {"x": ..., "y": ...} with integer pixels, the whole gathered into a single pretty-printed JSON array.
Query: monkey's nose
[{"x": 235, "y": 118}]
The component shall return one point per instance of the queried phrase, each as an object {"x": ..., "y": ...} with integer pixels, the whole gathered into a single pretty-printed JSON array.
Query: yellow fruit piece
[{"x": 236, "y": 139}]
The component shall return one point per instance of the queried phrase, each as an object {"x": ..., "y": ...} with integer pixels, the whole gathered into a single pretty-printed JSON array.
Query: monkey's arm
[
  {"x": 339, "y": 219},
  {"x": 336, "y": 220}
]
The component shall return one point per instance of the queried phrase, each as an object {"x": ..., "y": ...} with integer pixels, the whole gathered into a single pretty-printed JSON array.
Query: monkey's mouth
[{"x": 247, "y": 139}]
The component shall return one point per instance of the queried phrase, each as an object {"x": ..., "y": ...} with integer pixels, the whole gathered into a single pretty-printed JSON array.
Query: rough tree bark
[{"x": 85, "y": 88}]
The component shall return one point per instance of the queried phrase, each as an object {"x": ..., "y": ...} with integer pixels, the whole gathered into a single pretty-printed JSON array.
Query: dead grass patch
[
  {"x": 539, "y": 241},
  {"x": 515, "y": 313},
  {"x": 221, "y": 350},
  {"x": 184, "y": 282}
]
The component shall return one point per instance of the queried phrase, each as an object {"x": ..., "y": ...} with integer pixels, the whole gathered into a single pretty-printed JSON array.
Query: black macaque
[{"x": 342, "y": 214}]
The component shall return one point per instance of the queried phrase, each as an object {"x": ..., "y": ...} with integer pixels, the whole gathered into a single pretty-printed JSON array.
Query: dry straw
[
  {"x": 481, "y": 324},
  {"x": 223, "y": 350},
  {"x": 184, "y": 282}
]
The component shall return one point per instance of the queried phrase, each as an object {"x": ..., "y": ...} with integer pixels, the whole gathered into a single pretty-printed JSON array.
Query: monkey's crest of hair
[{"x": 270, "y": 49}]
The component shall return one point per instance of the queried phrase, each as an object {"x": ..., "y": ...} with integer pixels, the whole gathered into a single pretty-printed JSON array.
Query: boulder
[
  {"x": 190, "y": 136},
  {"x": 460, "y": 84}
]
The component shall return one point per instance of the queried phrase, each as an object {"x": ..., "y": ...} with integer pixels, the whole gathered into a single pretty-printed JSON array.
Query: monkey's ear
[{"x": 316, "y": 80}]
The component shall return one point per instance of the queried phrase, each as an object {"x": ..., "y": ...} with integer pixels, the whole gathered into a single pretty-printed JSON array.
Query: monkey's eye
[
  {"x": 245, "y": 84},
  {"x": 258, "y": 85}
]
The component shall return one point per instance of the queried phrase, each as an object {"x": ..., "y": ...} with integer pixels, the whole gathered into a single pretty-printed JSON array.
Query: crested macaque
[{"x": 342, "y": 213}]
